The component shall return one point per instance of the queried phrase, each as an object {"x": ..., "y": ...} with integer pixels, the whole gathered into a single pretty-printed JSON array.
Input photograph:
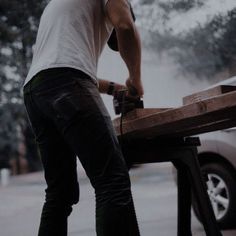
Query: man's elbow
[{"x": 125, "y": 26}]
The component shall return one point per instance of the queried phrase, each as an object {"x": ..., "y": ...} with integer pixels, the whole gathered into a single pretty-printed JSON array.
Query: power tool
[{"x": 124, "y": 104}]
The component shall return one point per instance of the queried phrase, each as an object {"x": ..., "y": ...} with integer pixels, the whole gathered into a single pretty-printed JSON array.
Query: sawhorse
[{"x": 182, "y": 152}]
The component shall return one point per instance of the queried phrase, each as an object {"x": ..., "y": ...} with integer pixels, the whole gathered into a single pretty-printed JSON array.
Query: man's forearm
[
  {"x": 128, "y": 41},
  {"x": 130, "y": 50}
]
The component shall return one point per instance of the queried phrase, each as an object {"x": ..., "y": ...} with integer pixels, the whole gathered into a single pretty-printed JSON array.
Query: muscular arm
[{"x": 118, "y": 11}]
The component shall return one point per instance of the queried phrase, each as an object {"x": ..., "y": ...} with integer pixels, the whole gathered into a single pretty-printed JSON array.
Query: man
[{"x": 68, "y": 117}]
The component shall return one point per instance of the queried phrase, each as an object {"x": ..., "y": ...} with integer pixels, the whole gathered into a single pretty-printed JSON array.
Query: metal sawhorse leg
[{"x": 182, "y": 152}]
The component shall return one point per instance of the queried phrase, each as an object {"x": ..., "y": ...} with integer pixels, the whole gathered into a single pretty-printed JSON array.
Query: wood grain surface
[{"x": 215, "y": 113}]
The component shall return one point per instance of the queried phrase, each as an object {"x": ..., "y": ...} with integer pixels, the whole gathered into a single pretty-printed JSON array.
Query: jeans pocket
[{"x": 65, "y": 107}]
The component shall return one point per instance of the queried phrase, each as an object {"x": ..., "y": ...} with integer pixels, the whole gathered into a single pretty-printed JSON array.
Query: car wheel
[{"x": 221, "y": 188}]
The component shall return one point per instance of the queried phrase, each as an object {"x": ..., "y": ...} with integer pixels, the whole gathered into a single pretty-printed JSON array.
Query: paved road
[{"x": 154, "y": 195}]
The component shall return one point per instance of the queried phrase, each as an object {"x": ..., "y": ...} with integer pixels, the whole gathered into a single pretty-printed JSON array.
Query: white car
[{"x": 217, "y": 157}]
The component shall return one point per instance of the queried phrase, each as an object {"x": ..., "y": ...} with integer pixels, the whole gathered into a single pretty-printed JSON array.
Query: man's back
[{"x": 72, "y": 33}]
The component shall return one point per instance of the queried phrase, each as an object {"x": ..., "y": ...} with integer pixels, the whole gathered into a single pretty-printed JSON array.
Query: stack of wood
[{"x": 206, "y": 111}]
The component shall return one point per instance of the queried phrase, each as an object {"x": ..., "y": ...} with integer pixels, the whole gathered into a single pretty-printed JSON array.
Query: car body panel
[{"x": 220, "y": 143}]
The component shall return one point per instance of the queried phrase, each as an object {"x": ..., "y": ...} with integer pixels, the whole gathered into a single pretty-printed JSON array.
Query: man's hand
[
  {"x": 119, "y": 87},
  {"x": 135, "y": 87}
]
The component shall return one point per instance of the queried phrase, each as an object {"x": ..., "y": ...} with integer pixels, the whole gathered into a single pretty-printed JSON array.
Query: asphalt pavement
[{"x": 154, "y": 191}]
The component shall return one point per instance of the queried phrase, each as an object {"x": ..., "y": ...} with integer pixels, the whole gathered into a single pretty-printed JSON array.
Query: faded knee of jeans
[
  {"x": 112, "y": 189},
  {"x": 62, "y": 202},
  {"x": 56, "y": 208}
]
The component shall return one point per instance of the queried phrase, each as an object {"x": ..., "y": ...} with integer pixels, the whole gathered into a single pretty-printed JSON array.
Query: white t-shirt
[{"x": 72, "y": 33}]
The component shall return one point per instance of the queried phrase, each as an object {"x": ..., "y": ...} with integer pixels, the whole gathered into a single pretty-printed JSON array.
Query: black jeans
[{"x": 69, "y": 119}]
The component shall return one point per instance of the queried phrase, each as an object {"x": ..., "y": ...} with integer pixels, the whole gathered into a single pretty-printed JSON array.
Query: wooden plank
[
  {"x": 137, "y": 113},
  {"x": 205, "y": 94},
  {"x": 205, "y": 114},
  {"x": 144, "y": 112},
  {"x": 210, "y": 127},
  {"x": 184, "y": 128},
  {"x": 179, "y": 130}
]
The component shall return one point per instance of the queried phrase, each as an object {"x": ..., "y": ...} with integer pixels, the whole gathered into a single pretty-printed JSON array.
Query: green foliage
[
  {"x": 173, "y": 5},
  {"x": 10, "y": 129},
  {"x": 209, "y": 48},
  {"x": 203, "y": 50},
  {"x": 181, "y": 5},
  {"x": 18, "y": 26},
  {"x": 19, "y": 21}
]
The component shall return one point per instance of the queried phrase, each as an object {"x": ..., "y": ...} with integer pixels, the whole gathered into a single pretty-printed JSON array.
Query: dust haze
[{"x": 164, "y": 84}]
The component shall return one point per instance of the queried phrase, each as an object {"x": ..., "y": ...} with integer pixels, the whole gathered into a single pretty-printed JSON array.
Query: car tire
[{"x": 221, "y": 187}]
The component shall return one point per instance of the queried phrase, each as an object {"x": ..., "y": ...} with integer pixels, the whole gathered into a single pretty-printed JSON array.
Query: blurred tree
[
  {"x": 203, "y": 50},
  {"x": 9, "y": 132},
  {"x": 207, "y": 49},
  {"x": 181, "y": 5},
  {"x": 18, "y": 27},
  {"x": 19, "y": 20}
]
